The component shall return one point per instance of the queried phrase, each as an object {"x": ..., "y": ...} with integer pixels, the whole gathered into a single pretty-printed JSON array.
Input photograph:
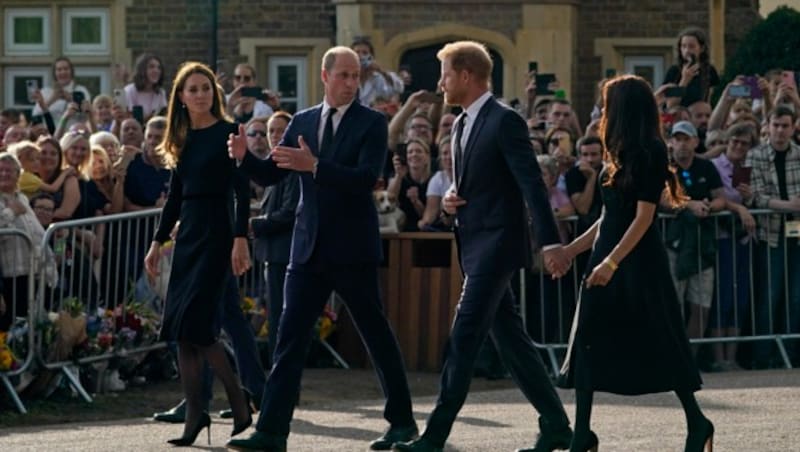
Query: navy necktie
[{"x": 327, "y": 133}]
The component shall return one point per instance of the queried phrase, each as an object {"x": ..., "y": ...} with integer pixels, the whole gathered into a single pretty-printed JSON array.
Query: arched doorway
[{"x": 425, "y": 68}]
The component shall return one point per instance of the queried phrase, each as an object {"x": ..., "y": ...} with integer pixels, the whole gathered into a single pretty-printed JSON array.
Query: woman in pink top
[{"x": 147, "y": 88}]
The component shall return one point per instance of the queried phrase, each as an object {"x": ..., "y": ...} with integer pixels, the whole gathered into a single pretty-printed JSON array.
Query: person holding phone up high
[
  {"x": 58, "y": 96},
  {"x": 694, "y": 71},
  {"x": 247, "y": 101}
]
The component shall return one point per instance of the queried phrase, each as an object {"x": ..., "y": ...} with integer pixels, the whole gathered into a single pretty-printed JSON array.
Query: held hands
[{"x": 557, "y": 261}]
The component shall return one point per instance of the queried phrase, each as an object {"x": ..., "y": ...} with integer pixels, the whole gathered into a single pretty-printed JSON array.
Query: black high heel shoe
[
  {"x": 239, "y": 428},
  {"x": 188, "y": 439},
  {"x": 591, "y": 444},
  {"x": 701, "y": 439}
]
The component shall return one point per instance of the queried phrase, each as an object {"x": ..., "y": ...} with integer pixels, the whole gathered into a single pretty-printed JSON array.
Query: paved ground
[{"x": 753, "y": 411}]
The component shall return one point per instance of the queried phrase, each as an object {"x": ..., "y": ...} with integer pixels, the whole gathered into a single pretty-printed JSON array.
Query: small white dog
[{"x": 390, "y": 218}]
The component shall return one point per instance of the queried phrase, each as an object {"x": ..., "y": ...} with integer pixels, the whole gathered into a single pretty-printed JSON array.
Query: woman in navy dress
[
  {"x": 628, "y": 336},
  {"x": 201, "y": 195}
]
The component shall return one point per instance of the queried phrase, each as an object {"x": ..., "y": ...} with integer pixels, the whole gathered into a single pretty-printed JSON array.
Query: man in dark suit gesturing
[
  {"x": 496, "y": 176},
  {"x": 337, "y": 148}
]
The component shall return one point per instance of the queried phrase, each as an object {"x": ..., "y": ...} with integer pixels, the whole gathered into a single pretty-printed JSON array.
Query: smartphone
[
  {"x": 252, "y": 91},
  {"x": 739, "y": 91},
  {"x": 533, "y": 66},
  {"x": 138, "y": 114},
  {"x": 675, "y": 91},
  {"x": 31, "y": 85},
  {"x": 119, "y": 99},
  {"x": 400, "y": 151},
  {"x": 78, "y": 97},
  {"x": 432, "y": 98},
  {"x": 741, "y": 175},
  {"x": 543, "y": 81},
  {"x": 755, "y": 90}
]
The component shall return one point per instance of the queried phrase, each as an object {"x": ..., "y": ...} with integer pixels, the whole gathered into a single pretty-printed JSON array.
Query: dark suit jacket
[
  {"x": 336, "y": 216},
  {"x": 499, "y": 178},
  {"x": 272, "y": 230}
]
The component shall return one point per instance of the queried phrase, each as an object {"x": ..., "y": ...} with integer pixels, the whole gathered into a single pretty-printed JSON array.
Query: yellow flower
[
  {"x": 248, "y": 303},
  {"x": 6, "y": 358}
]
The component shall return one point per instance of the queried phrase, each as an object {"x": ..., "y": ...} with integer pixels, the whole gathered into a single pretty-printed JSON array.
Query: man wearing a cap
[{"x": 692, "y": 231}]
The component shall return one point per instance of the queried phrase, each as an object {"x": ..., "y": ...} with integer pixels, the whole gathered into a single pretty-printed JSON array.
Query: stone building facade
[{"x": 577, "y": 40}]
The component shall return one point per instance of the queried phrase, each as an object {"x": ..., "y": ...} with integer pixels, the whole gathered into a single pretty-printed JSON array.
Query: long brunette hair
[
  {"x": 178, "y": 122},
  {"x": 630, "y": 128}
]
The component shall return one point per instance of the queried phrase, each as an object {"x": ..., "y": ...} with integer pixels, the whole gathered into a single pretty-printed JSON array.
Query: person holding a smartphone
[
  {"x": 693, "y": 70},
  {"x": 733, "y": 245},
  {"x": 58, "y": 97},
  {"x": 146, "y": 89},
  {"x": 247, "y": 101},
  {"x": 375, "y": 81}
]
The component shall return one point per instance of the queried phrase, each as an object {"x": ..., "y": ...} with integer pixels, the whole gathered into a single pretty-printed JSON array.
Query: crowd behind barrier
[
  {"x": 106, "y": 308},
  {"x": 94, "y": 180}
]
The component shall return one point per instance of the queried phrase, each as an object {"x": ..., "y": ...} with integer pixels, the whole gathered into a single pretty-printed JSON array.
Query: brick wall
[
  {"x": 181, "y": 30},
  {"x": 646, "y": 19}
]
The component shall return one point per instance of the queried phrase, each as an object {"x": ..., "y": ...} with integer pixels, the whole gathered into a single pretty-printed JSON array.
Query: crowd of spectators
[{"x": 81, "y": 156}]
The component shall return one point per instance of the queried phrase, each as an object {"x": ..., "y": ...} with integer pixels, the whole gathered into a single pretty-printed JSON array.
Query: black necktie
[
  {"x": 459, "y": 150},
  {"x": 327, "y": 134}
]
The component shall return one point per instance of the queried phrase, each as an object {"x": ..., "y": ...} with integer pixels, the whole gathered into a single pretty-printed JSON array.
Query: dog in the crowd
[{"x": 390, "y": 218}]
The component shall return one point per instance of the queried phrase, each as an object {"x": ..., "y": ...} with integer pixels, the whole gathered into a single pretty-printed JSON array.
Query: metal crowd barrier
[
  {"x": 547, "y": 305},
  {"x": 20, "y": 337},
  {"x": 99, "y": 262}
]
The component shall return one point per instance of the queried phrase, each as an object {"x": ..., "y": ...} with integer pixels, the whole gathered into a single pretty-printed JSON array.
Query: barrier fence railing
[
  {"x": 17, "y": 346},
  {"x": 99, "y": 267},
  {"x": 749, "y": 291},
  {"x": 99, "y": 262}
]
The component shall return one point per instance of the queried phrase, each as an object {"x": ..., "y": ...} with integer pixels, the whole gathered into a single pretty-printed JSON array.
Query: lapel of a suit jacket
[
  {"x": 312, "y": 139},
  {"x": 473, "y": 136},
  {"x": 344, "y": 125}
]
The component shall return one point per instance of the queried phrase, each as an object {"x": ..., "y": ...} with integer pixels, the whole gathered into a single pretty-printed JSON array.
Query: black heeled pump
[
  {"x": 590, "y": 445},
  {"x": 239, "y": 428},
  {"x": 188, "y": 439},
  {"x": 702, "y": 439}
]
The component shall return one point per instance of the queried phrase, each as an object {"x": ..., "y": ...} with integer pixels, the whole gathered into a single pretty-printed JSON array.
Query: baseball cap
[{"x": 684, "y": 127}]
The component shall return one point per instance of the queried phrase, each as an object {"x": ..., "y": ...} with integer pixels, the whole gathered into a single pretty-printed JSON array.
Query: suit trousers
[
  {"x": 487, "y": 308},
  {"x": 238, "y": 329},
  {"x": 308, "y": 287},
  {"x": 276, "y": 277}
]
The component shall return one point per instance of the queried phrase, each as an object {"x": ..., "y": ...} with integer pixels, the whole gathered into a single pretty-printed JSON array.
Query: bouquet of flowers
[
  {"x": 326, "y": 323},
  {"x": 8, "y": 361}
]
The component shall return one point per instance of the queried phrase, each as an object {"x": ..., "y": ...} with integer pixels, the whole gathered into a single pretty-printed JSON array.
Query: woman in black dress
[
  {"x": 628, "y": 336},
  {"x": 201, "y": 196}
]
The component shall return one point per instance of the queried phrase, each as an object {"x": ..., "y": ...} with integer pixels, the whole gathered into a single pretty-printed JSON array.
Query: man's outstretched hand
[{"x": 237, "y": 144}]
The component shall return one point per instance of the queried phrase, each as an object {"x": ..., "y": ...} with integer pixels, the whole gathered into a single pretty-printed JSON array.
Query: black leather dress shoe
[
  {"x": 550, "y": 439},
  {"x": 394, "y": 435},
  {"x": 176, "y": 415},
  {"x": 259, "y": 441},
  {"x": 419, "y": 445}
]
